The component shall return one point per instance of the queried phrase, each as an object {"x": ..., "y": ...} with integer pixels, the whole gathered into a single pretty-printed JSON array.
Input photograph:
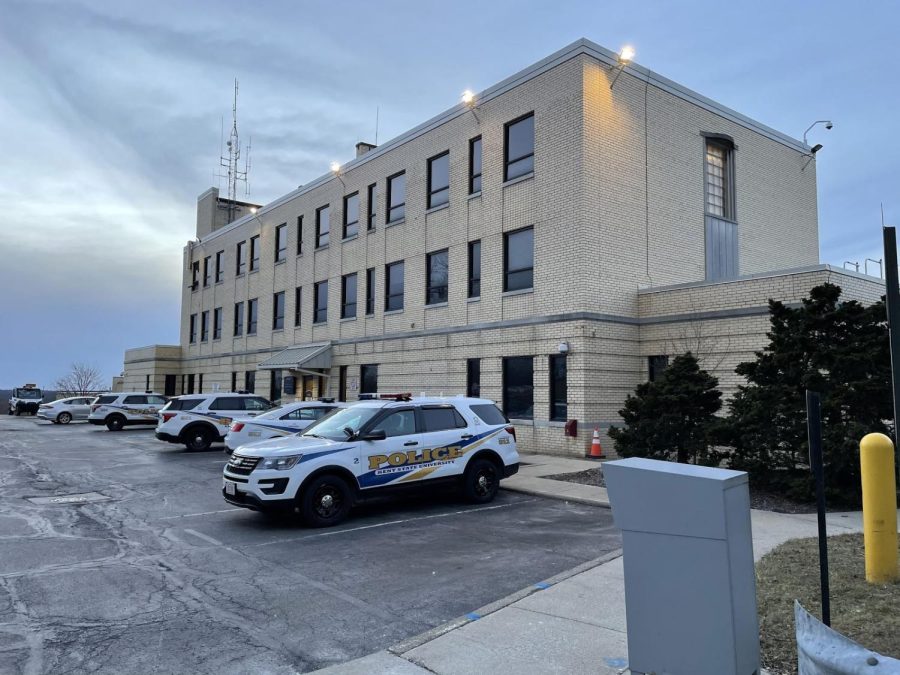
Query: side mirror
[{"x": 375, "y": 435}]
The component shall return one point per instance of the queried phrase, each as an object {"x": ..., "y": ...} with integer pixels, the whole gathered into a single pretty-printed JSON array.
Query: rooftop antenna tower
[{"x": 230, "y": 161}]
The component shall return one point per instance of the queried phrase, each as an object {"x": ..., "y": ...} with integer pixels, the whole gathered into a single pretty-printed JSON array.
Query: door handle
[
  {"x": 411, "y": 443},
  {"x": 465, "y": 437}
]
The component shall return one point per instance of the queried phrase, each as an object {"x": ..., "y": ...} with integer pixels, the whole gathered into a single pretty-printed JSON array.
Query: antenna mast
[{"x": 229, "y": 161}]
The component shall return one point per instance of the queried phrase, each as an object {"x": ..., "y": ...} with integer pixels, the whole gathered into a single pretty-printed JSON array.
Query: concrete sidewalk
[{"x": 572, "y": 623}]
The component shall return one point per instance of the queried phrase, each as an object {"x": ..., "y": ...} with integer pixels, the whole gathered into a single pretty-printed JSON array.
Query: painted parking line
[
  {"x": 204, "y": 537},
  {"x": 203, "y": 513}
]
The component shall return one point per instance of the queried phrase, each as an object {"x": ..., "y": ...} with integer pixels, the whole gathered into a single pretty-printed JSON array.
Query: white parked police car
[
  {"x": 129, "y": 408},
  {"x": 284, "y": 421},
  {"x": 372, "y": 447},
  {"x": 199, "y": 420}
]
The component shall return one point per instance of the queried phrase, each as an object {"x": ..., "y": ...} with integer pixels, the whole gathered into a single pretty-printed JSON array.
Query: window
[
  {"x": 441, "y": 418},
  {"x": 655, "y": 366},
  {"x": 220, "y": 266},
  {"x": 169, "y": 387},
  {"x": 238, "y": 319},
  {"x": 256, "y": 404},
  {"x": 207, "y": 270},
  {"x": 396, "y": 197},
  {"x": 475, "y": 269},
  {"x": 281, "y": 242},
  {"x": 252, "y": 315},
  {"x": 518, "y": 147},
  {"x": 217, "y": 323},
  {"x": 195, "y": 275},
  {"x": 250, "y": 381},
  {"x": 398, "y": 423},
  {"x": 439, "y": 180},
  {"x": 370, "y": 290},
  {"x": 489, "y": 413},
  {"x": 351, "y": 215},
  {"x": 241, "y": 256},
  {"x": 719, "y": 179},
  {"x": 342, "y": 383},
  {"x": 323, "y": 225},
  {"x": 372, "y": 198},
  {"x": 204, "y": 326},
  {"x": 233, "y": 381},
  {"x": 518, "y": 387},
  {"x": 473, "y": 378},
  {"x": 200, "y": 383},
  {"x": 184, "y": 403},
  {"x": 348, "y": 296},
  {"x": 275, "y": 385},
  {"x": 141, "y": 400},
  {"x": 191, "y": 378},
  {"x": 518, "y": 260},
  {"x": 436, "y": 283},
  {"x": 307, "y": 413},
  {"x": 299, "y": 235},
  {"x": 298, "y": 305},
  {"x": 254, "y": 253},
  {"x": 368, "y": 379},
  {"x": 475, "y": 165},
  {"x": 393, "y": 286},
  {"x": 558, "y": 388},
  {"x": 192, "y": 336},
  {"x": 278, "y": 311},
  {"x": 320, "y": 309},
  {"x": 146, "y": 388}
]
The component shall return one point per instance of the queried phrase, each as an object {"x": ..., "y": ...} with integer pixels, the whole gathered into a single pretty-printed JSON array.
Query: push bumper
[{"x": 252, "y": 502}]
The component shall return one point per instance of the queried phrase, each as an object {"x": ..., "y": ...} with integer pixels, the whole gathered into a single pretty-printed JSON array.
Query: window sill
[
  {"x": 320, "y": 323},
  {"x": 556, "y": 423},
  {"x": 254, "y": 271},
  {"x": 724, "y": 219},
  {"x": 321, "y": 248},
  {"x": 521, "y": 291},
  {"x": 436, "y": 305},
  {"x": 278, "y": 330},
  {"x": 280, "y": 262},
  {"x": 370, "y": 315},
  {"x": 350, "y": 238},
  {"x": 390, "y": 312},
  {"x": 219, "y": 283},
  {"x": 347, "y": 319},
  {"x": 476, "y": 298},
  {"x": 439, "y": 207},
  {"x": 399, "y": 221},
  {"x": 475, "y": 195},
  {"x": 238, "y": 276},
  {"x": 519, "y": 179},
  {"x": 371, "y": 230},
  {"x": 251, "y": 334}
]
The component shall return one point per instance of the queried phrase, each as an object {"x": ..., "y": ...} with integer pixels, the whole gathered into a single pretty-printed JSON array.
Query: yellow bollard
[{"x": 879, "y": 494}]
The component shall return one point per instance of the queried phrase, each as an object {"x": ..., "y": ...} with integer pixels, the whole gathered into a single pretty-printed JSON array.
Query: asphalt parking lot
[{"x": 159, "y": 574}]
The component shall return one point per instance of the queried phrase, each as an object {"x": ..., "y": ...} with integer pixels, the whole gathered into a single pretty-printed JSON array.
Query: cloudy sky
[{"x": 110, "y": 118}]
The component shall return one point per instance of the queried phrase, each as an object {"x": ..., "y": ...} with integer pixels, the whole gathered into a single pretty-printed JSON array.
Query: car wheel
[
  {"x": 115, "y": 422},
  {"x": 198, "y": 439},
  {"x": 326, "y": 501},
  {"x": 64, "y": 418},
  {"x": 481, "y": 481}
]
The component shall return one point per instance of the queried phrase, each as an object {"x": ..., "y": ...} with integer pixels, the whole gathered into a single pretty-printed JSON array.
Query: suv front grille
[{"x": 242, "y": 465}]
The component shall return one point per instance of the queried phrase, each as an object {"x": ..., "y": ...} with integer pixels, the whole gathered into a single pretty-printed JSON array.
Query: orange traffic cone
[{"x": 596, "y": 450}]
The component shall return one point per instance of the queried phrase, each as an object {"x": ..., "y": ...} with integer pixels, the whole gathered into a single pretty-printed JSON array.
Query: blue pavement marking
[
  {"x": 616, "y": 663},
  {"x": 473, "y": 616},
  {"x": 543, "y": 585}
]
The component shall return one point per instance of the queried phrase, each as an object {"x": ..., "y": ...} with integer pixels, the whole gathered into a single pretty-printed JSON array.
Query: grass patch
[{"x": 866, "y": 613}]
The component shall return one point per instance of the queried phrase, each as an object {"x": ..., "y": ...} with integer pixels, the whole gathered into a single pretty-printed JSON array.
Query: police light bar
[
  {"x": 326, "y": 399},
  {"x": 396, "y": 397}
]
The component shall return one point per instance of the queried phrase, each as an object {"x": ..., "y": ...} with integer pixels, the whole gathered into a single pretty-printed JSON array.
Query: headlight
[{"x": 280, "y": 463}]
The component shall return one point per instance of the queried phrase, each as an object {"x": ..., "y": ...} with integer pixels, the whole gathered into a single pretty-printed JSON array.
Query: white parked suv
[
  {"x": 199, "y": 420},
  {"x": 124, "y": 409},
  {"x": 284, "y": 421},
  {"x": 373, "y": 447}
]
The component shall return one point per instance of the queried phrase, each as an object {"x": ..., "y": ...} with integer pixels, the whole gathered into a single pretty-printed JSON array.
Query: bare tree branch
[{"x": 82, "y": 379}]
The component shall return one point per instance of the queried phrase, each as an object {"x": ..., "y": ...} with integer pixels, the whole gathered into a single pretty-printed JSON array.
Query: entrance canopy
[{"x": 301, "y": 357}]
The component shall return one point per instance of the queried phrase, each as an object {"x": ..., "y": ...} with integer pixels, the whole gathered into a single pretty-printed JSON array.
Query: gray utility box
[{"x": 690, "y": 586}]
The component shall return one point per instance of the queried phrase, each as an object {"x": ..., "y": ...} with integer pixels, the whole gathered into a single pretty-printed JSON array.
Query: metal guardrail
[{"x": 823, "y": 651}]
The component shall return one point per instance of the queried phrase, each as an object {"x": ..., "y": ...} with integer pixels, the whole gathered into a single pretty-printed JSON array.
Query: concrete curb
[{"x": 538, "y": 492}]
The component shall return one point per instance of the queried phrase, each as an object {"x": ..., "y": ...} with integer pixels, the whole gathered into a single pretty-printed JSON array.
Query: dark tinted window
[
  {"x": 252, "y": 315},
  {"x": 323, "y": 225},
  {"x": 370, "y": 290},
  {"x": 558, "y": 387},
  {"x": 518, "y": 387},
  {"x": 306, "y": 414},
  {"x": 519, "y": 148},
  {"x": 254, "y": 253},
  {"x": 134, "y": 399},
  {"x": 217, "y": 323},
  {"x": 195, "y": 274},
  {"x": 348, "y": 296},
  {"x": 474, "y": 269},
  {"x": 373, "y": 206},
  {"x": 399, "y": 423},
  {"x": 192, "y": 336},
  {"x": 473, "y": 377},
  {"x": 207, "y": 270},
  {"x": 278, "y": 311},
  {"x": 102, "y": 400},
  {"x": 241, "y": 258},
  {"x": 183, "y": 403},
  {"x": 238, "y": 318},
  {"x": 441, "y": 418},
  {"x": 254, "y": 404},
  {"x": 518, "y": 260},
  {"x": 436, "y": 286},
  {"x": 204, "y": 326},
  {"x": 351, "y": 215},
  {"x": 281, "y": 242},
  {"x": 298, "y": 305},
  {"x": 489, "y": 413},
  {"x": 220, "y": 266},
  {"x": 475, "y": 165},
  {"x": 299, "y": 235},
  {"x": 393, "y": 286},
  {"x": 368, "y": 379},
  {"x": 656, "y": 365},
  {"x": 250, "y": 381},
  {"x": 227, "y": 403},
  {"x": 439, "y": 180},
  {"x": 320, "y": 310},
  {"x": 396, "y": 197}
]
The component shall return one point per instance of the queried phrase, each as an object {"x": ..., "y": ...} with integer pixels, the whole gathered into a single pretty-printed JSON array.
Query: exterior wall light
[
  {"x": 563, "y": 347},
  {"x": 626, "y": 54},
  {"x": 335, "y": 168},
  {"x": 468, "y": 97}
]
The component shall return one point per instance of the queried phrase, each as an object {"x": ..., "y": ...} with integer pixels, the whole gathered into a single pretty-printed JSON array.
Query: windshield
[
  {"x": 332, "y": 426},
  {"x": 273, "y": 414},
  {"x": 28, "y": 393}
]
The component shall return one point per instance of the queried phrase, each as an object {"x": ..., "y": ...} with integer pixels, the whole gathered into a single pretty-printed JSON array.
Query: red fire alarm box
[{"x": 572, "y": 428}]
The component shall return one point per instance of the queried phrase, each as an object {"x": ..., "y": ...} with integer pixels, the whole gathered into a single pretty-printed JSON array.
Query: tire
[
  {"x": 481, "y": 481},
  {"x": 326, "y": 501},
  {"x": 64, "y": 418},
  {"x": 197, "y": 439},
  {"x": 115, "y": 422}
]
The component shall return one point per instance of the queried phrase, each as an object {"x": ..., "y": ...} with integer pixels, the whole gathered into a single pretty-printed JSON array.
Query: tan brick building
[{"x": 544, "y": 246}]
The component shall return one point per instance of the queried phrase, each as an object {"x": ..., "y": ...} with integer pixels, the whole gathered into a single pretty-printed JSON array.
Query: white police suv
[
  {"x": 129, "y": 408},
  {"x": 371, "y": 448},
  {"x": 284, "y": 421},
  {"x": 199, "y": 420}
]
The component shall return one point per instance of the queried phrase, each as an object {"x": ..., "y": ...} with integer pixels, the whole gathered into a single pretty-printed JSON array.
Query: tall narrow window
[
  {"x": 200, "y": 383},
  {"x": 191, "y": 378},
  {"x": 298, "y": 305},
  {"x": 281, "y": 243},
  {"x": 439, "y": 180},
  {"x": 299, "y": 235},
  {"x": 518, "y": 387},
  {"x": 250, "y": 381},
  {"x": 233, "y": 381},
  {"x": 518, "y": 260},
  {"x": 370, "y": 290},
  {"x": 207, "y": 270},
  {"x": 559, "y": 407},
  {"x": 348, "y": 296},
  {"x": 192, "y": 334},
  {"x": 719, "y": 180},
  {"x": 475, "y": 269},
  {"x": 656, "y": 365},
  {"x": 220, "y": 266},
  {"x": 518, "y": 147},
  {"x": 396, "y": 197},
  {"x": 475, "y": 165},
  {"x": 275, "y": 383},
  {"x": 351, "y": 215},
  {"x": 473, "y": 378},
  {"x": 393, "y": 286},
  {"x": 438, "y": 274},
  {"x": 323, "y": 225},
  {"x": 320, "y": 310},
  {"x": 241, "y": 257},
  {"x": 217, "y": 323},
  {"x": 372, "y": 198},
  {"x": 204, "y": 326},
  {"x": 252, "y": 315},
  {"x": 238, "y": 319},
  {"x": 254, "y": 253},
  {"x": 278, "y": 311},
  {"x": 342, "y": 383},
  {"x": 195, "y": 275},
  {"x": 368, "y": 379}
]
